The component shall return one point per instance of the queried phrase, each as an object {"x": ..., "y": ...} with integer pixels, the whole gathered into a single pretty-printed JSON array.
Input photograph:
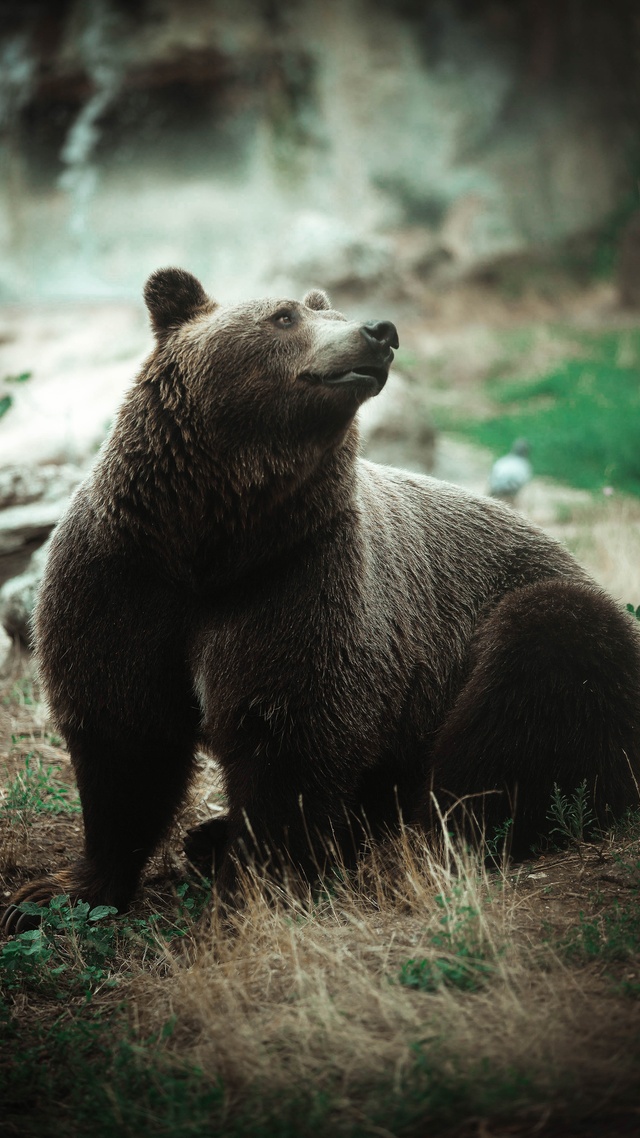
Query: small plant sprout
[
  {"x": 22, "y": 377},
  {"x": 572, "y": 815},
  {"x": 498, "y": 844}
]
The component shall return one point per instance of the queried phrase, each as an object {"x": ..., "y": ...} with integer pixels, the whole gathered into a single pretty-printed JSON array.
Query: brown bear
[{"x": 347, "y": 639}]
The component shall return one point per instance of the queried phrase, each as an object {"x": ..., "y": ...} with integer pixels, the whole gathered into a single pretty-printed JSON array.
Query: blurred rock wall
[{"x": 277, "y": 144}]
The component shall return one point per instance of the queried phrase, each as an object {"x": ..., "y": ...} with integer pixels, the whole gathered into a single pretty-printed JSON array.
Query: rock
[
  {"x": 20, "y": 485},
  {"x": 31, "y": 502},
  {"x": 81, "y": 358},
  {"x": 18, "y": 597},
  {"x": 396, "y": 427},
  {"x": 410, "y": 114},
  {"x": 628, "y": 267},
  {"x": 20, "y": 525},
  {"x": 323, "y": 250},
  {"x": 6, "y": 650}
]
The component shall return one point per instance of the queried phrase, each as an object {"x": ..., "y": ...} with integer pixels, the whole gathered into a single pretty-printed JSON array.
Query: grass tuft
[{"x": 36, "y": 790}]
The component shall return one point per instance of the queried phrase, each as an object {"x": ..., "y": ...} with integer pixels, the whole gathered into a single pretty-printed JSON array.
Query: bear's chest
[
  {"x": 311, "y": 662},
  {"x": 291, "y": 662}
]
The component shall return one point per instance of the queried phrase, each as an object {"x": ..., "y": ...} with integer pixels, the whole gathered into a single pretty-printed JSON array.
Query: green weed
[
  {"x": 108, "y": 1083},
  {"x": 630, "y": 988},
  {"x": 468, "y": 975},
  {"x": 464, "y": 966},
  {"x": 35, "y": 790},
  {"x": 498, "y": 843},
  {"x": 104, "y": 1082},
  {"x": 572, "y": 815},
  {"x": 409, "y": 362},
  {"x": 435, "y": 1090},
  {"x": 69, "y": 940},
  {"x": 77, "y": 948},
  {"x": 6, "y": 400},
  {"x": 612, "y": 935},
  {"x": 628, "y": 826}
]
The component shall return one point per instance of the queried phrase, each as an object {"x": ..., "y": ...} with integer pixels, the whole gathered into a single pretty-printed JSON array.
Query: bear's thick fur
[{"x": 345, "y": 638}]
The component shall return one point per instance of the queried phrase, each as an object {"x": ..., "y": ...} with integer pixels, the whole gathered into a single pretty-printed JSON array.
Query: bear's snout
[
  {"x": 350, "y": 356},
  {"x": 381, "y": 332}
]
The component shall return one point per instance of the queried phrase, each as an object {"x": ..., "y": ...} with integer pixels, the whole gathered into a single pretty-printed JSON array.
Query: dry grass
[
  {"x": 307, "y": 994},
  {"x": 605, "y": 537},
  {"x": 298, "y": 1007}
]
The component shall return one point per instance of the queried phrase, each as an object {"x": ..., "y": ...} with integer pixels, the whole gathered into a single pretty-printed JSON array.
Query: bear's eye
[{"x": 284, "y": 317}]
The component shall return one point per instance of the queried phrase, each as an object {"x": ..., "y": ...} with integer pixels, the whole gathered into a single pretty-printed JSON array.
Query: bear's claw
[
  {"x": 14, "y": 921},
  {"x": 39, "y": 892}
]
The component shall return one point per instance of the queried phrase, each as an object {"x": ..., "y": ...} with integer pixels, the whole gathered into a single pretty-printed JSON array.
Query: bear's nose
[{"x": 382, "y": 331}]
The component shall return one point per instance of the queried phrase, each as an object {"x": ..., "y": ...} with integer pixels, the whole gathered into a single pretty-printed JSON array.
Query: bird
[{"x": 511, "y": 472}]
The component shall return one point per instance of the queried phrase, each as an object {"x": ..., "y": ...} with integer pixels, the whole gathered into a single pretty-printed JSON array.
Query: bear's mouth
[{"x": 371, "y": 377}]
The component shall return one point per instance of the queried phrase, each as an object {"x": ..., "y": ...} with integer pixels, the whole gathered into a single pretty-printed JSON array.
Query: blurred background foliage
[
  {"x": 467, "y": 168},
  {"x": 261, "y": 141},
  {"x": 581, "y": 419}
]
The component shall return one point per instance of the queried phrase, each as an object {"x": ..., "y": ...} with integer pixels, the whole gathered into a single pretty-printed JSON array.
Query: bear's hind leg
[
  {"x": 130, "y": 791},
  {"x": 553, "y": 696},
  {"x": 291, "y": 821},
  {"x": 205, "y": 845}
]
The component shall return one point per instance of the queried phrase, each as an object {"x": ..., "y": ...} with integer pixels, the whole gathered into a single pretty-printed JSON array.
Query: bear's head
[{"x": 284, "y": 372}]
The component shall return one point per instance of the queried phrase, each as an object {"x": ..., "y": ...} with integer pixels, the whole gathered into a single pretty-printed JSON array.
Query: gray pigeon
[{"x": 511, "y": 472}]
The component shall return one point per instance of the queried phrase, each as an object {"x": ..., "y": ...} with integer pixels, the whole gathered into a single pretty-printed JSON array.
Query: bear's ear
[
  {"x": 317, "y": 299},
  {"x": 173, "y": 296}
]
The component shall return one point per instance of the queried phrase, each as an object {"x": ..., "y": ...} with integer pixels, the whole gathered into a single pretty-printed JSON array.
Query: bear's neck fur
[{"x": 206, "y": 512}]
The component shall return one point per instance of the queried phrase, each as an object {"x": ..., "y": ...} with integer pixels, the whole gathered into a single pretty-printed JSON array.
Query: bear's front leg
[{"x": 130, "y": 790}]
